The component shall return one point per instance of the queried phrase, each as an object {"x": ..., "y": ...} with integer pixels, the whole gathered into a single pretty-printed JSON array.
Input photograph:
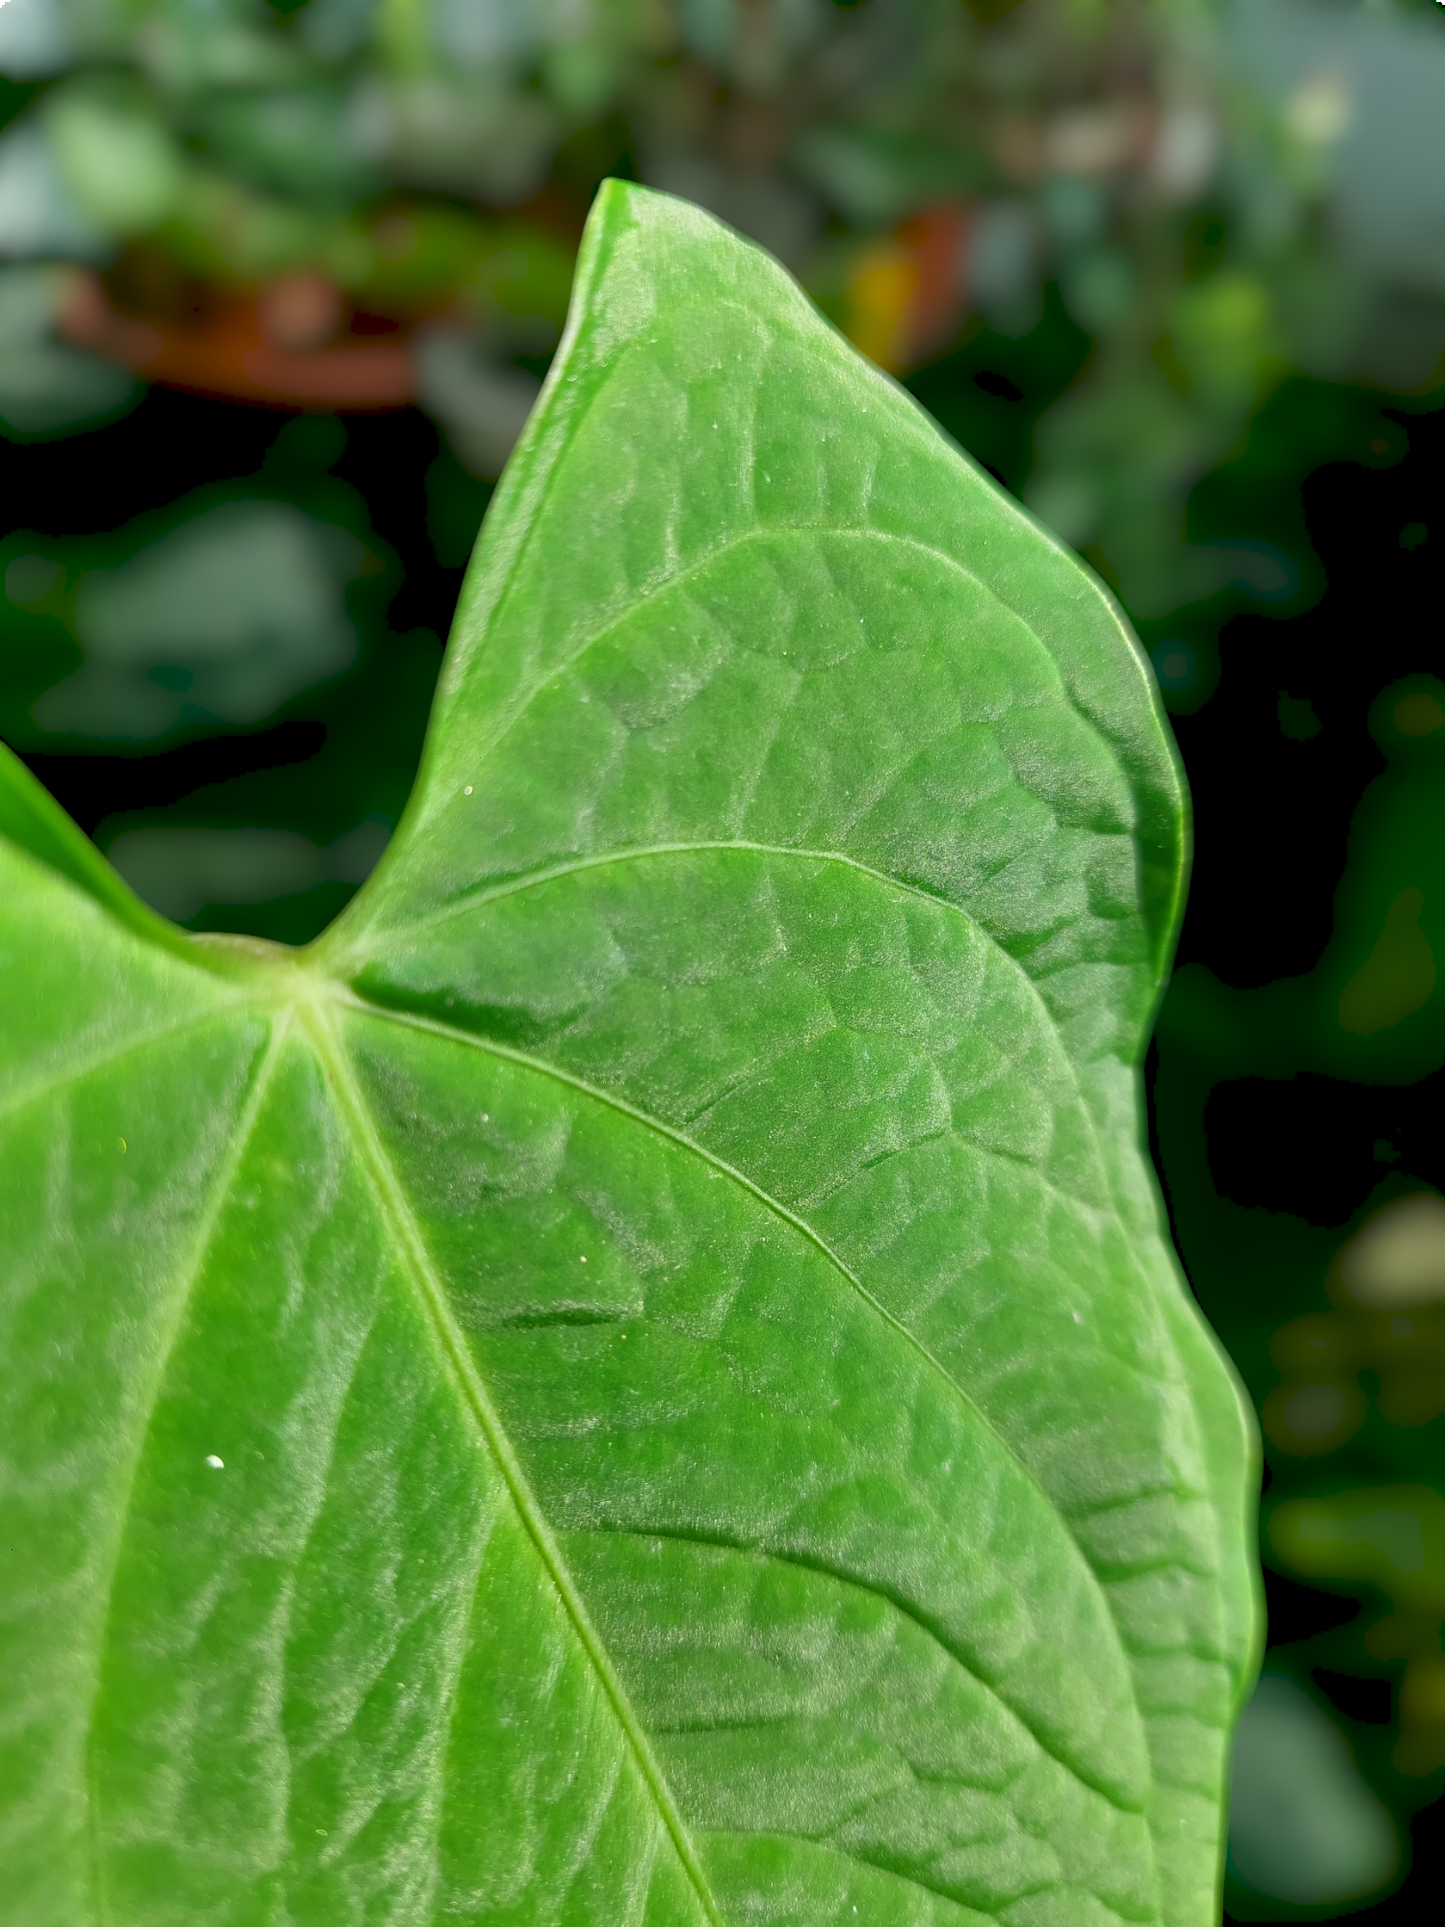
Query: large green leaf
[{"x": 639, "y": 1380}]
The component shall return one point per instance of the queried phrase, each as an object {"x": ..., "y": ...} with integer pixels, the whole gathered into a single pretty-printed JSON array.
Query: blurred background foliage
[{"x": 278, "y": 285}]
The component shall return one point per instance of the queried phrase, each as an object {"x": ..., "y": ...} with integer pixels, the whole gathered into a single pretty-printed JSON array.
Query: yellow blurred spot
[
  {"x": 1418, "y": 714},
  {"x": 1398, "y": 975},
  {"x": 880, "y": 289},
  {"x": 120, "y": 1144}
]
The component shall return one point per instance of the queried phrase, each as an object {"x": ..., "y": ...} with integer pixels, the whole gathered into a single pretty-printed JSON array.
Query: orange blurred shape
[
  {"x": 250, "y": 348},
  {"x": 935, "y": 237},
  {"x": 87, "y": 319},
  {"x": 904, "y": 291},
  {"x": 299, "y": 311}
]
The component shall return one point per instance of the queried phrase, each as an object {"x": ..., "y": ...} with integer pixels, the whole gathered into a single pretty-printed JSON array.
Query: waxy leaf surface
[{"x": 637, "y": 1383}]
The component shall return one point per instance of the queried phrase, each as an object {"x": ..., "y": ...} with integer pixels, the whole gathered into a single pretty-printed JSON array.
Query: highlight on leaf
[{"x": 640, "y": 1380}]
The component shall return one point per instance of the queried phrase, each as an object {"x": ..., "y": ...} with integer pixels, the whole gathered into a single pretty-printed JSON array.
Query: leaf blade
[
  {"x": 103, "y": 1193},
  {"x": 1063, "y": 898},
  {"x": 691, "y": 1293},
  {"x": 599, "y": 1445},
  {"x": 672, "y": 508}
]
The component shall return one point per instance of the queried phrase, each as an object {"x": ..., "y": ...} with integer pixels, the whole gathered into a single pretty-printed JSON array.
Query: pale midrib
[
  {"x": 779, "y": 1210},
  {"x": 169, "y": 1336},
  {"x": 411, "y": 1246}
]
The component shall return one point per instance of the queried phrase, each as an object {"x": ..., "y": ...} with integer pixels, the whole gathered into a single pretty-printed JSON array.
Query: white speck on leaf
[
  {"x": 468, "y": 790},
  {"x": 1078, "y": 1317},
  {"x": 216, "y": 1465}
]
